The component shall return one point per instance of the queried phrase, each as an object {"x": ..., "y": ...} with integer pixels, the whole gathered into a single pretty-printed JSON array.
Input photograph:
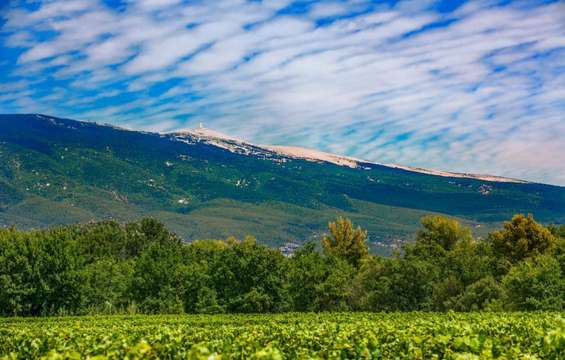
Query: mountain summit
[
  {"x": 271, "y": 152},
  {"x": 239, "y": 146},
  {"x": 204, "y": 184}
]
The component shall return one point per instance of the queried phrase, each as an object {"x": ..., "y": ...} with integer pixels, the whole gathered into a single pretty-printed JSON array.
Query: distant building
[{"x": 289, "y": 248}]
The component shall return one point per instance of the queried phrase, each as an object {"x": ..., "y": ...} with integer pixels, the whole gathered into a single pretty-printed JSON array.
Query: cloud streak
[{"x": 478, "y": 88}]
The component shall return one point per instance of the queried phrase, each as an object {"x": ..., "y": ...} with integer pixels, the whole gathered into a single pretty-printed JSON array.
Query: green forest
[{"x": 141, "y": 267}]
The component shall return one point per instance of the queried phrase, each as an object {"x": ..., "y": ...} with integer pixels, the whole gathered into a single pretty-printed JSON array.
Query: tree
[
  {"x": 521, "y": 238},
  {"x": 105, "y": 284},
  {"x": 445, "y": 293},
  {"x": 16, "y": 273},
  {"x": 535, "y": 284},
  {"x": 157, "y": 283},
  {"x": 333, "y": 292},
  {"x": 100, "y": 240},
  {"x": 470, "y": 260},
  {"x": 459, "y": 260},
  {"x": 249, "y": 277},
  {"x": 346, "y": 242},
  {"x": 442, "y": 231},
  {"x": 39, "y": 272},
  {"x": 317, "y": 282},
  {"x": 384, "y": 284},
  {"x": 144, "y": 233},
  {"x": 557, "y": 230},
  {"x": 486, "y": 293},
  {"x": 559, "y": 253}
]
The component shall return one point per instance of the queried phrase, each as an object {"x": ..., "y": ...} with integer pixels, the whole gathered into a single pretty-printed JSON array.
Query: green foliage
[
  {"x": 289, "y": 336},
  {"x": 521, "y": 238},
  {"x": 104, "y": 285},
  {"x": 39, "y": 272},
  {"x": 57, "y": 171},
  {"x": 485, "y": 294},
  {"x": 317, "y": 282},
  {"x": 442, "y": 231},
  {"x": 535, "y": 284},
  {"x": 345, "y": 241},
  {"x": 249, "y": 277},
  {"x": 109, "y": 268},
  {"x": 559, "y": 253},
  {"x": 156, "y": 282},
  {"x": 557, "y": 231}
]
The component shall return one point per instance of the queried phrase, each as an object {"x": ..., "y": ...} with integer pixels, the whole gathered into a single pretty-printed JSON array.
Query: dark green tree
[
  {"x": 395, "y": 285},
  {"x": 535, "y": 284},
  {"x": 157, "y": 283},
  {"x": 485, "y": 294},
  {"x": 142, "y": 234},
  {"x": 317, "y": 282},
  {"x": 249, "y": 277},
  {"x": 105, "y": 285}
]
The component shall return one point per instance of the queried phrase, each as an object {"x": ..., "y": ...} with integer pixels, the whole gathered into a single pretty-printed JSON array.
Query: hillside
[{"x": 203, "y": 184}]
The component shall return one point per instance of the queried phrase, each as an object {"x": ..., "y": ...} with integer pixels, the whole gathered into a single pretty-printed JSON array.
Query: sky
[{"x": 467, "y": 86}]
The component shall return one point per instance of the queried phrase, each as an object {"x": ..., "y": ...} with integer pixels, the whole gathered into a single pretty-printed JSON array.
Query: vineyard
[{"x": 288, "y": 336}]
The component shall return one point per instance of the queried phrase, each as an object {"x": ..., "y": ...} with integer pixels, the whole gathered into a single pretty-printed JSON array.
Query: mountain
[
  {"x": 204, "y": 184},
  {"x": 269, "y": 151}
]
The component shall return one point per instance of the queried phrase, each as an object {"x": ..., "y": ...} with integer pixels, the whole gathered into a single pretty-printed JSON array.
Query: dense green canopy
[{"x": 108, "y": 267}]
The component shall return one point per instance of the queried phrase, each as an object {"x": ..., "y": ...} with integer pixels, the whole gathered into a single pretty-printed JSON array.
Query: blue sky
[{"x": 474, "y": 86}]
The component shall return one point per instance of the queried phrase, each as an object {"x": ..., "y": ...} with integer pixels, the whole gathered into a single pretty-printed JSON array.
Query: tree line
[{"x": 141, "y": 267}]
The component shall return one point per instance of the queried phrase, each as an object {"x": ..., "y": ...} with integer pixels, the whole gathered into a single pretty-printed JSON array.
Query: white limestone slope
[
  {"x": 313, "y": 155},
  {"x": 456, "y": 175},
  {"x": 234, "y": 144},
  {"x": 273, "y": 152}
]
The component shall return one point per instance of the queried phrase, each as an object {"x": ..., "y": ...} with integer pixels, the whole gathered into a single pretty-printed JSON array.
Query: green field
[{"x": 412, "y": 335}]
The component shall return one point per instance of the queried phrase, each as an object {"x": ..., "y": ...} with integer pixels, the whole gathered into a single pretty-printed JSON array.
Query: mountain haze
[{"x": 204, "y": 184}]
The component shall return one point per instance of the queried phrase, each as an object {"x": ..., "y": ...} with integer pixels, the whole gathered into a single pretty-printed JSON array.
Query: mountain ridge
[
  {"x": 343, "y": 160},
  {"x": 308, "y": 153},
  {"x": 57, "y": 171}
]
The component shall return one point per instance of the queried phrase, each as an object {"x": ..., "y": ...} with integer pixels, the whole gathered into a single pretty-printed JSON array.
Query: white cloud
[
  {"x": 110, "y": 51},
  {"x": 328, "y": 9},
  {"x": 161, "y": 53},
  {"x": 155, "y": 4}
]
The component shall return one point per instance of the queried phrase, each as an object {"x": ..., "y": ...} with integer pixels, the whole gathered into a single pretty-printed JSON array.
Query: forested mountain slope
[{"x": 207, "y": 186}]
